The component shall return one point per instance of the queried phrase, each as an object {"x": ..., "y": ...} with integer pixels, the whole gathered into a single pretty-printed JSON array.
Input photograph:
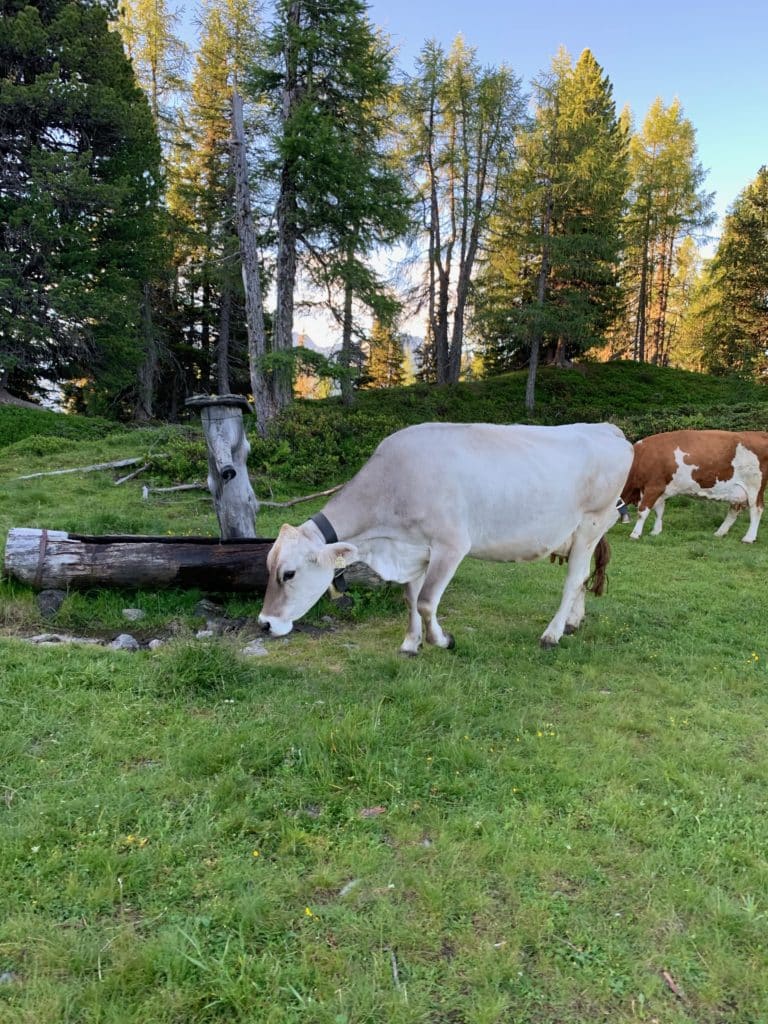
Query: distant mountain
[{"x": 303, "y": 339}]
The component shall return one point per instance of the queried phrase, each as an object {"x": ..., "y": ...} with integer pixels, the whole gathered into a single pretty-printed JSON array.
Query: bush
[{"x": 17, "y": 423}]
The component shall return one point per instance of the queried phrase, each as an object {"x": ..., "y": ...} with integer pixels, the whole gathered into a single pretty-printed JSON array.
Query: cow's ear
[{"x": 337, "y": 555}]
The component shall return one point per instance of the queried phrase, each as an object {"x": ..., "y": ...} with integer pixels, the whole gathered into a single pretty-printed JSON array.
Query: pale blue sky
[{"x": 712, "y": 56}]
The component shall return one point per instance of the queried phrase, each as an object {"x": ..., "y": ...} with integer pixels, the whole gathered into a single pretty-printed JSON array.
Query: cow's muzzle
[{"x": 274, "y": 627}]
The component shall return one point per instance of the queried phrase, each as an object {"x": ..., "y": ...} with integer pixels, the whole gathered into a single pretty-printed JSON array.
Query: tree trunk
[
  {"x": 541, "y": 294},
  {"x": 254, "y": 307},
  {"x": 222, "y": 347},
  {"x": 145, "y": 406},
  {"x": 347, "y": 391}
]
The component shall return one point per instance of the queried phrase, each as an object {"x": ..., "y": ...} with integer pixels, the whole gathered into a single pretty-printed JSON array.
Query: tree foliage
[
  {"x": 551, "y": 279},
  {"x": 79, "y": 190},
  {"x": 460, "y": 121}
]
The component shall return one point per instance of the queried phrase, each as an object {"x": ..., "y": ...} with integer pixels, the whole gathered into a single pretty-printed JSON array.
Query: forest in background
[{"x": 165, "y": 214}]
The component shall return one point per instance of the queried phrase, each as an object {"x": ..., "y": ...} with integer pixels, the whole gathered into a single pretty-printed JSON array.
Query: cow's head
[{"x": 301, "y": 568}]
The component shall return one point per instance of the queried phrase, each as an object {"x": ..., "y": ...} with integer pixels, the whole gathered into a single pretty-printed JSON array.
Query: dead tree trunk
[
  {"x": 233, "y": 498},
  {"x": 254, "y": 306}
]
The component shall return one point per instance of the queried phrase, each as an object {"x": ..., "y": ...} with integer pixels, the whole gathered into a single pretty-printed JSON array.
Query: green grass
[{"x": 182, "y": 836}]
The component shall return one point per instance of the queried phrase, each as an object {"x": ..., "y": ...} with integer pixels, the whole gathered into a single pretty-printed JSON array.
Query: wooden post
[{"x": 233, "y": 497}]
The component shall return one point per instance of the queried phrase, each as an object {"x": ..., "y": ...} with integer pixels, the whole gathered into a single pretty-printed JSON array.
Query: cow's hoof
[
  {"x": 408, "y": 654},
  {"x": 451, "y": 642},
  {"x": 570, "y": 629},
  {"x": 547, "y": 644}
]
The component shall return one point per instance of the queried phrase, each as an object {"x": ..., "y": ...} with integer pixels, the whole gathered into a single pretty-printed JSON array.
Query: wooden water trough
[{"x": 55, "y": 560}]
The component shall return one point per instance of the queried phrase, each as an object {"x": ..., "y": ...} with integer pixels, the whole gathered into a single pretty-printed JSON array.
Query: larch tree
[
  {"x": 551, "y": 279},
  {"x": 460, "y": 121},
  {"x": 210, "y": 353},
  {"x": 667, "y": 204},
  {"x": 328, "y": 78},
  {"x": 79, "y": 204},
  {"x": 159, "y": 58}
]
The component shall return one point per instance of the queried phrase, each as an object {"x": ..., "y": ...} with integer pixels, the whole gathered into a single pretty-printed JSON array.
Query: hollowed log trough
[{"x": 55, "y": 560}]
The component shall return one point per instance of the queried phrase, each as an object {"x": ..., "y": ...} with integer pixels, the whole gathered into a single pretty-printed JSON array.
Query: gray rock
[
  {"x": 125, "y": 642},
  {"x": 206, "y": 609},
  {"x": 204, "y": 634},
  {"x": 47, "y": 639},
  {"x": 134, "y": 614},
  {"x": 154, "y": 644},
  {"x": 255, "y": 649},
  {"x": 9, "y": 978},
  {"x": 49, "y": 602}
]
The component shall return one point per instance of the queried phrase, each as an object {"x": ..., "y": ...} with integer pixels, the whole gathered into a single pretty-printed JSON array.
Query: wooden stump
[{"x": 233, "y": 498}]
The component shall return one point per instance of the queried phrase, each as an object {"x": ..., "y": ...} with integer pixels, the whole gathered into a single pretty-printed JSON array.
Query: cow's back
[{"x": 500, "y": 485}]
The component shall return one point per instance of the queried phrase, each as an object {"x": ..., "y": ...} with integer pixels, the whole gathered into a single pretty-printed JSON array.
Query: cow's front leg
[
  {"x": 577, "y": 612},
  {"x": 412, "y": 642},
  {"x": 443, "y": 563},
  {"x": 578, "y": 572}
]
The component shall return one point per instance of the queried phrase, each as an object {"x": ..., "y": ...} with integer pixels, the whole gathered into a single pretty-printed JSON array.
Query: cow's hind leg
[
  {"x": 570, "y": 614},
  {"x": 443, "y": 563},
  {"x": 755, "y": 515},
  {"x": 730, "y": 519},
  {"x": 658, "y": 508},
  {"x": 648, "y": 501},
  {"x": 412, "y": 641}
]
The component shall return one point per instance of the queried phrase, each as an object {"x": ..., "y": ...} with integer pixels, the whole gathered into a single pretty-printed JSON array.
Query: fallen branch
[
  {"x": 146, "y": 491},
  {"x": 135, "y": 473},
  {"x": 118, "y": 464},
  {"x": 304, "y": 497}
]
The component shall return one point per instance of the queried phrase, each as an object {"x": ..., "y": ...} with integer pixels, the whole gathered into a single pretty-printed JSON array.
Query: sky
[{"x": 712, "y": 56}]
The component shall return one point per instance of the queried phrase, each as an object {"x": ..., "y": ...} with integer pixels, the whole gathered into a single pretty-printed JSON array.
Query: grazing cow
[
  {"x": 434, "y": 493},
  {"x": 720, "y": 464}
]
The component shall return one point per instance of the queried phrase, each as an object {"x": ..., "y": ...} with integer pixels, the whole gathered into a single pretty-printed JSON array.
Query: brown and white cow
[
  {"x": 719, "y": 464},
  {"x": 432, "y": 494}
]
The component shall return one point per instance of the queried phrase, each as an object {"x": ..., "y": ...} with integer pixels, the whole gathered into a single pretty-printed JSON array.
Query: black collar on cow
[
  {"x": 328, "y": 532},
  {"x": 330, "y": 536}
]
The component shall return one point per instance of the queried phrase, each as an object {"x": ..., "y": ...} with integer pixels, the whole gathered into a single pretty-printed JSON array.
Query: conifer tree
[
  {"x": 667, "y": 204},
  {"x": 551, "y": 280},
  {"x": 328, "y": 80},
  {"x": 386, "y": 358},
  {"x": 460, "y": 122},
  {"x": 79, "y": 194},
  {"x": 731, "y": 316}
]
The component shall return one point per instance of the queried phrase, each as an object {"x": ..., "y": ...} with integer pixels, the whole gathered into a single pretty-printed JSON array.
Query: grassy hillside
[{"x": 332, "y": 834}]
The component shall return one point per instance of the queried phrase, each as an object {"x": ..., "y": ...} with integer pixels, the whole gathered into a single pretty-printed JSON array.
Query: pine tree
[
  {"x": 551, "y": 280},
  {"x": 210, "y": 353},
  {"x": 79, "y": 200}
]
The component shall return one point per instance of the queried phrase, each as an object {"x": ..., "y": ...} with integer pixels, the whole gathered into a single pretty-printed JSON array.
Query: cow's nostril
[{"x": 265, "y": 627}]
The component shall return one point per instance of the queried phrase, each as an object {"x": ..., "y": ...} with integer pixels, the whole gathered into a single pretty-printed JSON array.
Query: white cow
[{"x": 432, "y": 494}]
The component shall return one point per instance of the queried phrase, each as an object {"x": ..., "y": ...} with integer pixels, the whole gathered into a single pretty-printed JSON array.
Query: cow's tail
[{"x": 596, "y": 582}]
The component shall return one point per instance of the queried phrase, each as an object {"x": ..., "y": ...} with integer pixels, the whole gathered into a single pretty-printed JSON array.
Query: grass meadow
[{"x": 333, "y": 834}]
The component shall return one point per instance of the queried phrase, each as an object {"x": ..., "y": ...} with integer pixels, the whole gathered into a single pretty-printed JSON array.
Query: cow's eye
[{"x": 289, "y": 575}]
